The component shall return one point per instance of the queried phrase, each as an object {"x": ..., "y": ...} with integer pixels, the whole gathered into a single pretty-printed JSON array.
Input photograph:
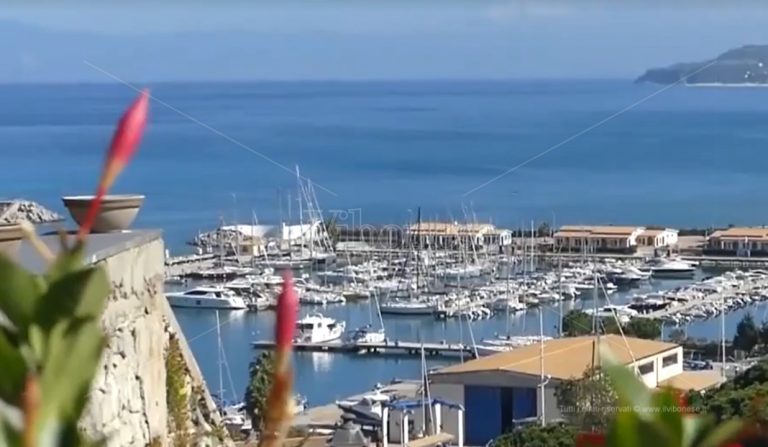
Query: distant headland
[{"x": 743, "y": 66}]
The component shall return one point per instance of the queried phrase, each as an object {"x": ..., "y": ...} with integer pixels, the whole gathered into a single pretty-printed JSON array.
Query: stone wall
[{"x": 128, "y": 397}]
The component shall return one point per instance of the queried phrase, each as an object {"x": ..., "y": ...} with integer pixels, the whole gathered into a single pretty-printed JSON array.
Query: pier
[
  {"x": 395, "y": 347},
  {"x": 717, "y": 298}
]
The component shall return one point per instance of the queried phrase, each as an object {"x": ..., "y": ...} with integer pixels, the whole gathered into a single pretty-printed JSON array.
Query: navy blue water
[{"x": 685, "y": 157}]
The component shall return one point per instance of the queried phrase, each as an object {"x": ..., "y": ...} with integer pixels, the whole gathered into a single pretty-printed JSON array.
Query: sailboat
[{"x": 367, "y": 334}]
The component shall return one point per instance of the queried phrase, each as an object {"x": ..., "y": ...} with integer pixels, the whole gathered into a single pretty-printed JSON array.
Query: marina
[{"x": 381, "y": 348}]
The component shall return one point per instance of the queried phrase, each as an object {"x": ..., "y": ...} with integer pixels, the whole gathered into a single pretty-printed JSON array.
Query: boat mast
[
  {"x": 722, "y": 335},
  {"x": 221, "y": 360},
  {"x": 418, "y": 247},
  {"x": 541, "y": 364}
]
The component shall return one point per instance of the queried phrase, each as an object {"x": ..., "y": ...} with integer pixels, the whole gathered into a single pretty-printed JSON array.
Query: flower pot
[
  {"x": 10, "y": 238},
  {"x": 116, "y": 214}
]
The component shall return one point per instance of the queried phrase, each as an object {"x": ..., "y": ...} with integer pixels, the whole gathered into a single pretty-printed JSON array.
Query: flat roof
[
  {"x": 588, "y": 231},
  {"x": 564, "y": 358},
  {"x": 693, "y": 380},
  {"x": 741, "y": 233},
  {"x": 449, "y": 227},
  {"x": 652, "y": 232},
  {"x": 99, "y": 247}
]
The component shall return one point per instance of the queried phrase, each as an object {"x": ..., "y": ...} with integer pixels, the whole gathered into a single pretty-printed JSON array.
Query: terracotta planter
[
  {"x": 10, "y": 238},
  {"x": 117, "y": 211}
]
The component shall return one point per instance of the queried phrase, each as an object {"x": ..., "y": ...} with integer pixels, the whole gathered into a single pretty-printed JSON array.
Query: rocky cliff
[
  {"x": 18, "y": 210},
  {"x": 746, "y": 65},
  {"x": 149, "y": 391}
]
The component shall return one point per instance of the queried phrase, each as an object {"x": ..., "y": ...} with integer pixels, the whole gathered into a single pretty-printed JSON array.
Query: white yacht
[
  {"x": 673, "y": 269},
  {"x": 317, "y": 328},
  {"x": 622, "y": 313},
  {"x": 407, "y": 308},
  {"x": 367, "y": 334},
  {"x": 208, "y": 297}
]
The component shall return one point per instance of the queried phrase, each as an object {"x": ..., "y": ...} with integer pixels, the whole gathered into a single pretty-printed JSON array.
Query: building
[
  {"x": 255, "y": 240},
  {"x": 503, "y": 390},
  {"x": 452, "y": 235},
  {"x": 597, "y": 238},
  {"x": 738, "y": 241},
  {"x": 657, "y": 238}
]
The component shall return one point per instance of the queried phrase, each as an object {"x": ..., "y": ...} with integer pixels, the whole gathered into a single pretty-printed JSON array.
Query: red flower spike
[
  {"x": 287, "y": 309},
  {"x": 125, "y": 141}
]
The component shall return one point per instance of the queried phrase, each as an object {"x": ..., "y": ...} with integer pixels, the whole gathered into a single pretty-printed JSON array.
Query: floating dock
[
  {"x": 395, "y": 347},
  {"x": 717, "y": 297}
]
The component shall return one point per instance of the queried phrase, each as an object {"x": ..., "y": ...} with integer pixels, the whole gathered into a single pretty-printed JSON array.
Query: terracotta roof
[
  {"x": 693, "y": 380},
  {"x": 564, "y": 358},
  {"x": 595, "y": 231},
  {"x": 741, "y": 233}
]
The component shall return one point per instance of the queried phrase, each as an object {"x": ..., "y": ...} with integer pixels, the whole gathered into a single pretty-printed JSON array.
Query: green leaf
[
  {"x": 73, "y": 358},
  {"x": 67, "y": 261},
  {"x": 79, "y": 294},
  {"x": 723, "y": 433},
  {"x": 19, "y": 293},
  {"x": 666, "y": 415},
  {"x": 630, "y": 390},
  {"x": 14, "y": 370}
]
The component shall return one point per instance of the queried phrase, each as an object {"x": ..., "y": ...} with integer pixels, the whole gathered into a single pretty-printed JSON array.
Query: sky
[{"x": 364, "y": 40}]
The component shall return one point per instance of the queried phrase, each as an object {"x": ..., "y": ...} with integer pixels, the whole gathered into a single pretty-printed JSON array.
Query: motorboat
[
  {"x": 207, "y": 297},
  {"x": 317, "y": 328},
  {"x": 367, "y": 334},
  {"x": 407, "y": 308},
  {"x": 673, "y": 269},
  {"x": 622, "y": 313}
]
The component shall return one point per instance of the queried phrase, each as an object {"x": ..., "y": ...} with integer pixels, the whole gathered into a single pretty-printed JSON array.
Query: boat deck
[{"x": 389, "y": 347}]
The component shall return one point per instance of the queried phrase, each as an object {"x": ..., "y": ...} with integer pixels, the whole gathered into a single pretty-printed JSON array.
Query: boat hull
[{"x": 206, "y": 303}]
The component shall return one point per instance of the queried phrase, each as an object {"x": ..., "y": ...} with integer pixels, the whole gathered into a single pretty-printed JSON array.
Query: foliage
[
  {"x": 747, "y": 334},
  {"x": 50, "y": 347},
  {"x": 657, "y": 418},
  {"x": 576, "y": 323},
  {"x": 544, "y": 230},
  {"x": 676, "y": 335},
  {"x": 261, "y": 373},
  {"x": 745, "y": 396},
  {"x": 587, "y": 403},
  {"x": 764, "y": 333},
  {"x": 552, "y": 435},
  {"x": 177, "y": 398}
]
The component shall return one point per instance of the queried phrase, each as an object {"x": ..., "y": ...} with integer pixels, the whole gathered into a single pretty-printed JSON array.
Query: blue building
[{"x": 504, "y": 390}]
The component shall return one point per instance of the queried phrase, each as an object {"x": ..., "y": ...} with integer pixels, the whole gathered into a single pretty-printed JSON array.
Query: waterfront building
[
  {"x": 453, "y": 235},
  {"x": 598, "y": 238},
  {"x": 255, "y": 240},
  {"x": 738, "y": 241},
  {"x": 658, "y": 238},
  {"x": 504, "y": 390}
]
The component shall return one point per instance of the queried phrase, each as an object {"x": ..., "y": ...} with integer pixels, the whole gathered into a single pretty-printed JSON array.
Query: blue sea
[{"x": 684, "y": 157}]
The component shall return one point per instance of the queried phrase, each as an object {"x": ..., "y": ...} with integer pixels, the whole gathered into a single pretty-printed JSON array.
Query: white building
[
  {"x": 657, "y": 237},
  {"x": 258, "y": 239},
  {"x": 450, "y": 235},
  {"x": 499, "y": 391}
]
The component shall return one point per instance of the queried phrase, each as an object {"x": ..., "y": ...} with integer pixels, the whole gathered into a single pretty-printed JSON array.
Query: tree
[
  {"x": 677, "y": 335},
  {"x": 553, "y": 435},
  {"x": 544, "y": 230},
  {"x": 260, "y": 376},
  {"x": 587, "y": 403},
  {"x": 764, "y": 333},
  {"x": 576, "y": 323},
  {"x": 747, "y": 334},
  {"x": 643, "y": 328}
]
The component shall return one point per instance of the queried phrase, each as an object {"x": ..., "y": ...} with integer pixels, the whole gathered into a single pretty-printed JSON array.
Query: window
[
  {"x": 669, "y": 360},
  {"x": 196, "y": 292},
  {"x": 645, "y": 368}
]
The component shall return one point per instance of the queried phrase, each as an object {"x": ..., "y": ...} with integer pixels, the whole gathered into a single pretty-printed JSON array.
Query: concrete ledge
[{"x": 98, "y": 247}]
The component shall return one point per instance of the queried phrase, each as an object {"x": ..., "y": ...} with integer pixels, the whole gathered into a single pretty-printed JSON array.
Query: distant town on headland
[{"x": 744, "y": 66}]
